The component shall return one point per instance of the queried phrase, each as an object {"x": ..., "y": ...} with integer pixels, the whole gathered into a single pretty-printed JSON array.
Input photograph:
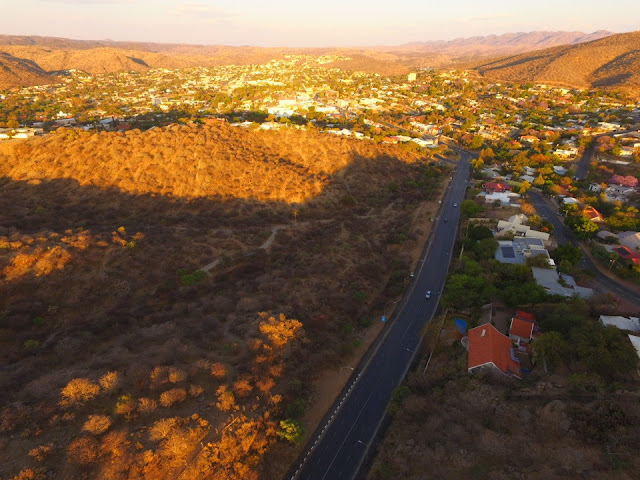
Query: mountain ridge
[{"x": 612, "y": 62}]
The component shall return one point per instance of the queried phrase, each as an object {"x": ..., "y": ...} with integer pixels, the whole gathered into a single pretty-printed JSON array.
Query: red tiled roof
[
  {"x": 591, "y": 213},
  {"x": 521, "y": 328},
  {"x": 530, "y": 317},
  {"x": 497, "y": 187},
  {"x": 488, "y": 345},
  {"x": 627, "y": 254}
]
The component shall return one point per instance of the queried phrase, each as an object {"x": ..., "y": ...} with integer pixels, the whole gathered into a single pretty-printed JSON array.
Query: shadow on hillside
[
  {"x": 63, "y": 203},
  {"x": 499, "y": 64}
]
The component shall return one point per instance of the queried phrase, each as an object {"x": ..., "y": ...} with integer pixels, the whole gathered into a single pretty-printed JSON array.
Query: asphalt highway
[
  {"x": 563, "y": 234},
  {"x": 337, "y": 454}
]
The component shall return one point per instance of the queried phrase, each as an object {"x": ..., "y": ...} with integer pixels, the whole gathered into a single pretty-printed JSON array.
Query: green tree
[
  {"x": 567, "y": 252},
  {"x": 551, "y": 347},
  {"x": 470, "y": 208},
  {"x": 605, "y": 350},
  {"x": 583, "y": 227},
  {"x": 480, "y": 232},
  {"x": 477, "y": 142}
]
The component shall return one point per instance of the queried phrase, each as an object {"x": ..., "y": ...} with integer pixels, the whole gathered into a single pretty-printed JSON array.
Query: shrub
[
  {"x": 242, "y": 387},
  {"x": 195, "y": 390},
  {"x": 79, "y": 390},
  {"x": 83, "y": 450},
  {"x": 218, "y": 370},
  {"x": 31, "y": 344},
  {"x": 177, "y": 375},
  {"x": 97, "y": 424},
  {"x": 109, "y": 381},
  {"x": 41, "y": 452},
  {"x": 226, "y": 400},
  {"x": 125, "y": 405},
  {"x": 172, "y": 396},
  {"x": 146, "y": 405},
  {"x": 162, "y": 428},
  {"x": 291, "y": 430}
]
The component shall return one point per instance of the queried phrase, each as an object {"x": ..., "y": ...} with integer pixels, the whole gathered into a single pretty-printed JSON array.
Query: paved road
[
  {"x": 563, "y": 235},
  {"x": 585, "y": 161},
  {"x": 583, "y": 164},
  {"x": 340, "y": 451}
]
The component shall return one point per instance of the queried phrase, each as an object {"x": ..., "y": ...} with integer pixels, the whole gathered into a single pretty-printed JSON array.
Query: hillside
[
  {"x": 505, "y": 44},
  {"x": 124, "y": 358},
  {"x": 50, "y": 54},
  {"x": 19, "y": 71},
  {"x": 609, "y": 62}
]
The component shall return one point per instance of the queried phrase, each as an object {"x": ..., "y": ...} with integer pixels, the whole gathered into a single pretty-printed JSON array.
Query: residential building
[
  {"x": 592, "y": 214},
  {"x": 627, "y": 256},
  {"x": 559, "y": 284},
  {"x": 521, "y": 331},
  {"x": 495, "y": 187},
  {"x": 519, "y": 249},
  {"x": 631, "y": 240},
  {"x": 493, "y": 351},
  {"x": 631, "y": 324},
  {"x": 515, "y": 225}
]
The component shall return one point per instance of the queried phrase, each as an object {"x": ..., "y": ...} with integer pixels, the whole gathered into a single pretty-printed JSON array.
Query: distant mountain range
[
  {"x": 27, "y": 60},
  {"x": 613, "y": 61},
  {"x": 508, "y": 43}
]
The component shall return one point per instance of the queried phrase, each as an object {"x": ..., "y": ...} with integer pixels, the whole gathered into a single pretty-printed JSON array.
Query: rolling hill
[
  {"x": 506, "y": 44},
  {"x": 28, "y": 59},
  {"x": 108, "y": 320},
  {"x": 20, "y": 71},
  {"x": 612, "y": 62}
]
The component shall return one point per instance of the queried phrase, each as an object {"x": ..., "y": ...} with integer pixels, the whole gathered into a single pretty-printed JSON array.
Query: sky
[{"x": 300, "y": 23}]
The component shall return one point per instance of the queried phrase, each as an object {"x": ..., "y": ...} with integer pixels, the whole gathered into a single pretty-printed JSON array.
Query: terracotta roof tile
[
  {"x": 521, "y": 328},
  {"x": 487, "y": 345}
]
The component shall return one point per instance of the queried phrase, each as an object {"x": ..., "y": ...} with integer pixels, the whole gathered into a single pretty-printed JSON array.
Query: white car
[
  {"x": 455, "y": 204},
  {"x": 428, "y": 295}
]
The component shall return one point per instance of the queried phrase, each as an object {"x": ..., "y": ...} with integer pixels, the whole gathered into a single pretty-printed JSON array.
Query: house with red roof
[
  {"x": 627, "y": 256},
  {"x": 529, "y": 317},
  {"x": 592, "y": 214},
  {"x": 493, "y": 187},
  {"x": 521, "y": 331},
  {"x": 491, "y": 350}
]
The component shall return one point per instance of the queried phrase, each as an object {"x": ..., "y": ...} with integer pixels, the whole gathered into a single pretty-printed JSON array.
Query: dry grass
[
  {"x": 455, "y": 425},
  {"x": 611, "y": 61},
  {"x": 125, "y": 330}
]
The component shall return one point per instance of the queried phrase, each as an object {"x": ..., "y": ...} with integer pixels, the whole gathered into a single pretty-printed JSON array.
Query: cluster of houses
[
  {"x": 619, "y": 187},
  {"x": 24, "y": 132}
]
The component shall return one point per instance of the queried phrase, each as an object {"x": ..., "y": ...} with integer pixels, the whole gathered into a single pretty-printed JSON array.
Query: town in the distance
[{"x": 303, "y": 269}]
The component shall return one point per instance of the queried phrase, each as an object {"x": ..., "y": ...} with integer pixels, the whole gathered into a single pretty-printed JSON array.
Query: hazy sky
[{"x": 308, "y": 23}]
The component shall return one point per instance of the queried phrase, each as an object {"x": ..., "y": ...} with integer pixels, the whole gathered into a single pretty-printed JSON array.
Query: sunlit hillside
[
  {"x": 608, "y": 62},
  {"x": 288, "y": 166}
]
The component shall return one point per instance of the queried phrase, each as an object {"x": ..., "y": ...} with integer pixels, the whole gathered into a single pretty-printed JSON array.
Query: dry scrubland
[
  {"x": 609, "y": 62},
  {"x": 455, "y": 425},
  {"x": 119, "y": 359}
]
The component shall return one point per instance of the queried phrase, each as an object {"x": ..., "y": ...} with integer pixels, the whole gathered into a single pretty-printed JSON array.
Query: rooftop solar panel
[{"x": 507, "y": 252}]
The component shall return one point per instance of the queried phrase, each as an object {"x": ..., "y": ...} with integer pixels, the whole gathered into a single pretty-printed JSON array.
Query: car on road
[
  {"x": 428, "y": 295},
  {"x": 455, "y": 204},
  {"x": 445, "y": 220}
]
